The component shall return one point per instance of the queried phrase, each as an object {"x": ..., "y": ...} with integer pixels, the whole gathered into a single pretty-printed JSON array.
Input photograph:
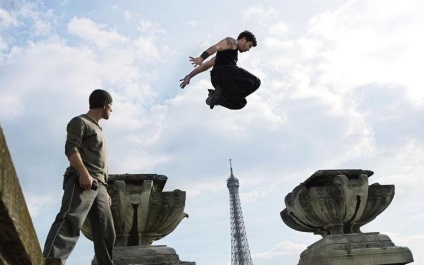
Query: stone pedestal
[
  {"x": 143, "y": 213},
  {"x": 335, "y": 204},
  {"x": 355, "y": 249},
  {"x": 154, "y": 255}
]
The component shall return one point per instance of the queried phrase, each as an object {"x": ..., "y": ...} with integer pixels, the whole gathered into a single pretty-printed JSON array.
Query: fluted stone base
[
  {"x": 151, "y": 255},
  {"x": 355, "y": 249},
  {"x": 53, "y": 261}
]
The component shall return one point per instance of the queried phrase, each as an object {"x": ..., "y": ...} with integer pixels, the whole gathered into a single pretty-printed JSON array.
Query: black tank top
[{"x": 226, "y": 58}]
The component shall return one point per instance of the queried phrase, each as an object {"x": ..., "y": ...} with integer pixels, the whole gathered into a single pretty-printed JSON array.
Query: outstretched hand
[
  {"x": 196, "y": 61},
  {"x": 185, "y": 81}
]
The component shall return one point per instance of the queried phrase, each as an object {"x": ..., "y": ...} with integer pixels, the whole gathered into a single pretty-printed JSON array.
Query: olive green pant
[{"x": 77, "y": 205}]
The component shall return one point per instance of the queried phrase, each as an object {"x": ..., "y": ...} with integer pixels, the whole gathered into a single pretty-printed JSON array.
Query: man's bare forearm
[
  {"x": 85, "y": 180},
  {"x": 76, "y": 162},
  {"x": 201, "y": 68},
  {"x": 195, "y": 71},
  {"x": 212, "y": 50}
]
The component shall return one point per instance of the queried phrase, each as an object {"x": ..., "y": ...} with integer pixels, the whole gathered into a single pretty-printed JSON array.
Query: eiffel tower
[{"x": 240, "y": 253}]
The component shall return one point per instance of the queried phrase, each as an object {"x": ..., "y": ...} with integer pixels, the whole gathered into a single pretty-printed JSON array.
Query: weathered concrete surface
[
  {"x": 141, "y": 255},
  {"x": 53, "y": 261},
  {"x": 18, "y": 239},
  {"x": 355, "y": 249}
]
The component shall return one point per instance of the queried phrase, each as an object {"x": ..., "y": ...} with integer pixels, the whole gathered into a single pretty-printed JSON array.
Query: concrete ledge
[
  {"x": 151, "y": 255},
  {"x": 355, "y": 249},
  {"x": 18, "y": 239}
]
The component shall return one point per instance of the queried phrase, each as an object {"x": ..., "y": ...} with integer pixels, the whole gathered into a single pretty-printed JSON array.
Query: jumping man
[{"x": 232, "y": 84}]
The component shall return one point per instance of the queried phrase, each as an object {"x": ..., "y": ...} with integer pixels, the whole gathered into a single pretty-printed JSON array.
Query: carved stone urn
[
  {"x": 335, "y": 204},
  {"x": 143, "y": 213}
]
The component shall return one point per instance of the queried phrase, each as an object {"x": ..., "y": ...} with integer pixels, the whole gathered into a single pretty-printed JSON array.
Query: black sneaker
[
  {"x": 210, "y": 93},
  {"x": 215, "y": 97}
]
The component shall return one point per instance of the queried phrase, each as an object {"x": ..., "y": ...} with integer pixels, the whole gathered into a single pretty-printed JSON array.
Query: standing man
[
  {"x": 84, "y": 184},
  {"x": 232, "y": 84}
]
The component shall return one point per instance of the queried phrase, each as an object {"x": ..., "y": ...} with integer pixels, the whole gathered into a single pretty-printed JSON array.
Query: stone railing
[{"x": 18, "y": 240}]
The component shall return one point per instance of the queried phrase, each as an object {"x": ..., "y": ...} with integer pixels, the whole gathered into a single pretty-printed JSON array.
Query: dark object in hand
[{"x": 94, "y": 185}]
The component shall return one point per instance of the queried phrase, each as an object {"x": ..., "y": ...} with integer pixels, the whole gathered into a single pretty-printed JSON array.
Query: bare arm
[
  {"x": 201, "y": 68},
  {"x": 85, "y": 180},
  {"x": 225, "y": 44}
]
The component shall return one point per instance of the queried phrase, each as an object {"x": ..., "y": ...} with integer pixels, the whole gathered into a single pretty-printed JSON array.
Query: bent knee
[
  {"x": 258, "y": 83},
  {"x": 238, "y": 105}
]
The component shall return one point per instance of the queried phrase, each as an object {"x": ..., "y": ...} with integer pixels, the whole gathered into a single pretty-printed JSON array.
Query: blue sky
[{"x": 341, "y": 88}]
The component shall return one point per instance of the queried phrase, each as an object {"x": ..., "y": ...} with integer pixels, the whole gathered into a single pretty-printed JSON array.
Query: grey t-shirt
[{"x": 85, "y": 136}]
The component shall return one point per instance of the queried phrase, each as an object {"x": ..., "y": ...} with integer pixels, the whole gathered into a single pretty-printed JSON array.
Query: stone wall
[{"x": 18, "y": 239}]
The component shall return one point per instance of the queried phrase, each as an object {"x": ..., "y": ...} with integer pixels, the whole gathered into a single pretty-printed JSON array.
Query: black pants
[{"x": 236, "y": 84}]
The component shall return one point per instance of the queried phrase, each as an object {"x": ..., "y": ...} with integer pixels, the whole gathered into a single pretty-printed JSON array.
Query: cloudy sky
[{"x": 342, "y": 87}]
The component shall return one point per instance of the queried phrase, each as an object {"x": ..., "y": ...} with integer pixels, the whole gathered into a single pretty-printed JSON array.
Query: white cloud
[
  {"x": 344, "y": 94},
  {"x": 409, "y": 154},
  {"x": 258, "y": 13},
  {"x": 10, "y": 105},
  {"x": 95, "y": 33},
  {"x": 146, "y": 48},
  {"x": 44, "y": 67},
  {"x": 150, "y": 28},
  {"x": 411, "y": 241},
  {"x": 42, "y": 27},
  {"x": 7, "y": 19},
  {"x": 190, "y": 23},
  {"x": 405, "y": 240},
  {"x": 281, "y": 249},
  {"x": 128, "y": 15},
  {"x": 278, "y": 29},
  {"x": 362, "y": 51},
  {"x": 3, "y": 45},
  {"x": 388, "y": 9},
  {"x": 41, "y": 21},
  {"x": 39, "y": 204},
  {"x": 257, "y": 194},
  {"x": 204, "y": 187}
]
